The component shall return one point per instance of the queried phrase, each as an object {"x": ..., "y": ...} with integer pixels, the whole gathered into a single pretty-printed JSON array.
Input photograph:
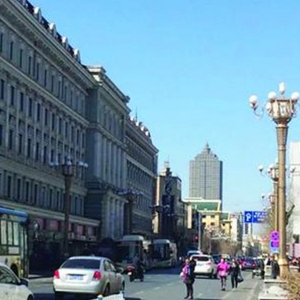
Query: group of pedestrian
[
  {"x": 223, "y": 270},
  {"x": 233, "y": 269}
]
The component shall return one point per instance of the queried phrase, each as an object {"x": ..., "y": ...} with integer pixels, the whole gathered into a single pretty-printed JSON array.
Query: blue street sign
[
  {"x": 248, "y": 217},
  {"x": 274, "y": 246},
  {"x": 254, "y": 216}
]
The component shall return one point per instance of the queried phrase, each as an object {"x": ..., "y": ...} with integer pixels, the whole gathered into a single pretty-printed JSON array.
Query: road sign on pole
[
  {"x": 248, "y": 217},
  {"x": 274, "y": 242},
  {"x": 254, "y": 216}
]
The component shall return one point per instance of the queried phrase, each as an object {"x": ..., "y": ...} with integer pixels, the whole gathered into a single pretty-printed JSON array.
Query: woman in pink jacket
[{"x": 222, "y": 270}]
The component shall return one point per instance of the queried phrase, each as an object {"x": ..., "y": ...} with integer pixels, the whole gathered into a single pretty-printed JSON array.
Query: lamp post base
[{"x": 284, "y": 268}]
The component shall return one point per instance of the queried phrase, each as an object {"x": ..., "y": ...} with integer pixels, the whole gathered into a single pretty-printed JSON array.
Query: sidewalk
[{"x": 40, "y": 277}]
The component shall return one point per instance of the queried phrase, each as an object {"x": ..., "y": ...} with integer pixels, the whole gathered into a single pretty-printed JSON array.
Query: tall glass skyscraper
[{"x": 206, "y": 176}]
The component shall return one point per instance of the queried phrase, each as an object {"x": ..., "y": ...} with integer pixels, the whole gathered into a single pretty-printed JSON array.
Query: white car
[
  {"x": 12, "y": 287},
  {"x": 205, "y": 265},
  {"x": 193, "y": 252},
  {"x": 87, "y": 275}
]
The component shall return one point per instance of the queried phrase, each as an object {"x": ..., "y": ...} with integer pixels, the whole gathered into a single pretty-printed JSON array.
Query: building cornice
[
  {"x": 15, "y": 14},
  {"x": 107, "y": 134},
  {"x": 140, "y": 166}
]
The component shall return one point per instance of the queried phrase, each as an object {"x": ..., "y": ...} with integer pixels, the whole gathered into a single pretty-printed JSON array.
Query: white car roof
[
  {"x": 201, "y": 255},
  {"x": 89, "y": 257}
]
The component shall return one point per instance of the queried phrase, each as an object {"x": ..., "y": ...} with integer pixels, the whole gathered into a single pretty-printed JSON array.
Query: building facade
[
  {"x": 54, "y": 110},
  {"x": 107, "y": 111},
  {"x": 43, "y": 94},
  {"x": 141, "y": 166},
  {"x": 206, "y": 176},
  {"x": 293, "y": 225}
]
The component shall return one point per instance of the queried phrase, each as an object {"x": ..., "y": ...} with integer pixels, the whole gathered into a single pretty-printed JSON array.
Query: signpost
[
  {"x": 254, "y": 216},
  {"x": 274, "y": 242}
]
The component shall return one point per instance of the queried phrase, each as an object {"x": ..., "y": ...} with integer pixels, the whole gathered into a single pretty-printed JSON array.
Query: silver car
[
  {"x": 87, "y": 275},
  {"x": 12, "y": 287}
]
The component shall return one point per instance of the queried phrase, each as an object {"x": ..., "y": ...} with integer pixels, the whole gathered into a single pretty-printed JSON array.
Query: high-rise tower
[{"x": 206, "y": 176}]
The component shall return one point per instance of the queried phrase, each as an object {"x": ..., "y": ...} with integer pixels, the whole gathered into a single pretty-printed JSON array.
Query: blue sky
[{"x": 189, "y": 67}]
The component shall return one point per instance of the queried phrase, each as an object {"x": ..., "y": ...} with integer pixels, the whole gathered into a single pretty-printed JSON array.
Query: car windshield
[
  {"x": 201, "y": 258},
  {"x": 81, "y": 264}
]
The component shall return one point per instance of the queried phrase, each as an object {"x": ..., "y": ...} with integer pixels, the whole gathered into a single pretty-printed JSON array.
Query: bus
[
  {"x": 164, "y": 253},
  {"x": 14, "y": 240},
  {"x": 129, "y": 246}
]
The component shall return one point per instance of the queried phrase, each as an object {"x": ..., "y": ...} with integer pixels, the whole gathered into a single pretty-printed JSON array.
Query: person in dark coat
[
  {"x": 274, "y": 268},
  {"x": 234, "y": 270}
]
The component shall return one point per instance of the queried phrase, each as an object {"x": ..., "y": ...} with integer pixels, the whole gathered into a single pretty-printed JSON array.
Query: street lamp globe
[
  {"x": 272, "y": 96},
  {"x": 253, "y": 101}
]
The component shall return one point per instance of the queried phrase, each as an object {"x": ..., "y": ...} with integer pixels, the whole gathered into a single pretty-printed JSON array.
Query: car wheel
[
  {"x": 106, "y": 291},
  {"x": 30, "y": 298},
  {"x": 58, "y": 296}
]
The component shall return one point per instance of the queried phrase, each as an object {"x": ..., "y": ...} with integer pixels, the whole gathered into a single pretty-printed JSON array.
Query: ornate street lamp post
[
  {"x": 68, "y": 170},
  {"x": 281, "y": 110}
]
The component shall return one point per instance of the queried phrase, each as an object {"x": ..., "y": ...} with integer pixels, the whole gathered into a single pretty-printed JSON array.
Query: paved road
[{"x": 166, "y": 284}]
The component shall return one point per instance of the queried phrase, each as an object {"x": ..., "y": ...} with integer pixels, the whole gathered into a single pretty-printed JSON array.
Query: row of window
[
  {"x": 34, "y": 149},
  {"x": 40, "y": 114},
  {"x": 140, "y": 155},
  {"x": 28, "y": 191},
  {"x": 31, "y": 62}
]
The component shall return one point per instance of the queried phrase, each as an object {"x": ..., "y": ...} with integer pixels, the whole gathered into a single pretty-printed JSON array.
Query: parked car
[
  {"x": 87, "y": 275},
  {"x": 249, "y": 264},
  {"x": 205, "y": 265},
  {"x": 13, "y": 287}
]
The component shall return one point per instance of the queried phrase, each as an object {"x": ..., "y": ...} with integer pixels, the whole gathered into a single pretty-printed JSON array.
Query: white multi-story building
[
  {"x": 52, "y": 108},
  {"x": 43, "y": 94}
]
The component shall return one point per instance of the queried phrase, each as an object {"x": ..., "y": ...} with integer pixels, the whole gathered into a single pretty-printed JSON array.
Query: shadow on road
[{"x": 43, "y": 296}]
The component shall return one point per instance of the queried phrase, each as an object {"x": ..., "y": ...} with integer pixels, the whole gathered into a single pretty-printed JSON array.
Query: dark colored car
[
  {"x": 249, "y": 264},
  {"x": 216, "y": 258}
]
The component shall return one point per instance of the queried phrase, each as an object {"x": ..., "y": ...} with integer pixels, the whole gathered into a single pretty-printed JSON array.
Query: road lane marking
[
  {"x": 140, "y": 292},
  {"x": 252, "y": 292},
  {"x": 157, "y": 288},
  {"x": 199, "y": 295}
]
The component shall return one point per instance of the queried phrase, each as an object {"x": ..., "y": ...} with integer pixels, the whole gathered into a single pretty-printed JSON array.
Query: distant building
[
  {"x": 236, "y": 227},
  {"x": 169, "y": 211},
  {"x": 206, "y": 176}
]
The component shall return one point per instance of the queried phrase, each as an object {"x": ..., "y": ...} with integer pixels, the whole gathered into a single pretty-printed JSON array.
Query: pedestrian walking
[
  {"x": 274, "y": 268},
  {"x": 262, "y": 269},
  {"x": 222, "y": 271},
  {"x": 235, "y": 273},
  {"x": 188, "y": 277}
]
